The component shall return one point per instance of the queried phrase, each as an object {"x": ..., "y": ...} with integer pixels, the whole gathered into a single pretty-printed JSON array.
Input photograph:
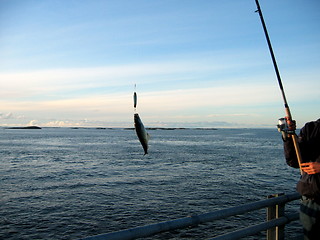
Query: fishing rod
[{"x": 286, "y": 106}]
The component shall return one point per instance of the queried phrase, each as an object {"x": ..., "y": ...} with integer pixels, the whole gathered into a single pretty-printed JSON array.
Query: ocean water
[{"x": 63, "y": 183}]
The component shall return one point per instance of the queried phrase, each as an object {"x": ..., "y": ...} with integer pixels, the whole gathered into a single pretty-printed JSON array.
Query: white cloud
[
  {"x": 41, "y": 83},
  {"x": 79, "y": 78},
  {"x": 28, "y": 93},
  {"x": 33, "y": 123},
  {"x": 6, "y": 115},
  {"x": 10, "y": 115},
  {"x": 62, "y": 123},
  {"x": 233, "y": 95},
  {"x": 173, "y": 105}
]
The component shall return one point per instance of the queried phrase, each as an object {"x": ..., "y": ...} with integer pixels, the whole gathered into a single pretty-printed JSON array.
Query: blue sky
[{"x": 195, "y": 63}]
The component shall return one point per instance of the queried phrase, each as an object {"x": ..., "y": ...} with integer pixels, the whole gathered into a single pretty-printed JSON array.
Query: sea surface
[{"x": 64, "y": 183}]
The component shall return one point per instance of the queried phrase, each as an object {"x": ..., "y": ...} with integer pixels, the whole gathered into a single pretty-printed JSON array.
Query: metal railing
[{"x": 276, "y": 219}]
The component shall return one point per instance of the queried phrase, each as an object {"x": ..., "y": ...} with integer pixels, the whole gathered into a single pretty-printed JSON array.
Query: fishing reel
[{"x": 285, "y": 129}]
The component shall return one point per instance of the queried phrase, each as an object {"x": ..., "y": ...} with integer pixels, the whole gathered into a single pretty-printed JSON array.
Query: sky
[{"x": 199, "y": 63}]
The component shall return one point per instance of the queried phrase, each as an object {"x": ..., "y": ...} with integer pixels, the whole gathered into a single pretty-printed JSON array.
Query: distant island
[
  {"x": 28, "y": 127},
  {"x": 98, "y": 128},
  {"x": 130, "y": 128},
  {"x": 173, "y": 128}
]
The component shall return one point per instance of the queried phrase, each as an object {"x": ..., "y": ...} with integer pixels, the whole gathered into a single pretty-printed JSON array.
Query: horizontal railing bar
[
  {"x": 252, "y": 230},
  {"x": 150, "y": 230}
]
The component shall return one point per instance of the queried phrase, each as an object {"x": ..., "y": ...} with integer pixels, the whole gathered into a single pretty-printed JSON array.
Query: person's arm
[
  {"x": 289, "y": 149},
  {"x": 290, "y": 153},
  {"x": 306, "y": 145}
]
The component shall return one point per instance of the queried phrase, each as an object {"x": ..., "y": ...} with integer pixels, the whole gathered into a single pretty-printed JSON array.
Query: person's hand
[
  {"x": 291, "y": 124},
  {"x": 287, "y": 127},
  {"x": 311, "y": 167}
]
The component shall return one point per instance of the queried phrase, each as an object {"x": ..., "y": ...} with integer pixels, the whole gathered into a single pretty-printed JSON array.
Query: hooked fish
[{"x": 141, "y": 133}]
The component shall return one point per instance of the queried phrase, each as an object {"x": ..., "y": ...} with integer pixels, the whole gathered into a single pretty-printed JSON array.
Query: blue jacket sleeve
[{"x": 309, "y": 144}]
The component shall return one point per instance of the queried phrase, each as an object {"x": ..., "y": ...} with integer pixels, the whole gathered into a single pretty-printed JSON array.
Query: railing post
[{"x": 274, "y": 212}]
